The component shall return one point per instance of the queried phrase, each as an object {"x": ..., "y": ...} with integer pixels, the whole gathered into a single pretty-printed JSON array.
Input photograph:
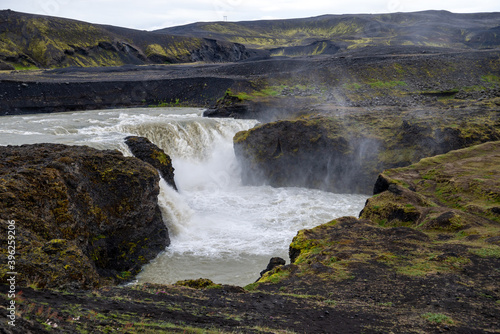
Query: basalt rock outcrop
[
  {"x": 145, "y": 150},
  {"x": 83, "y": 217},
  {"x": 344, "y": 152}
]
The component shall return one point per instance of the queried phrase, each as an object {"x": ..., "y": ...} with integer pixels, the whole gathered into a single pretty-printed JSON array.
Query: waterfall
[{"x": 219, "y": 229}]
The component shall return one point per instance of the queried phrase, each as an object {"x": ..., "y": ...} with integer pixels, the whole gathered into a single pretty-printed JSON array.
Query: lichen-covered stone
[
  {"x": 145, "y": 150},
  {"x": 83, "y": 217},
  {"x": 200, "y": 283}
]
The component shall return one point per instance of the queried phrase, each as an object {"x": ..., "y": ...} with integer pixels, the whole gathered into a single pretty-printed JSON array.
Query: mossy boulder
[
  {"x": 345, "y": 152},
  {"x": 83, "y": 217},
  {"x": 314, "y": 152},
  {"x": 457, "y": 191},
  {"x": 145, "y": 150}
]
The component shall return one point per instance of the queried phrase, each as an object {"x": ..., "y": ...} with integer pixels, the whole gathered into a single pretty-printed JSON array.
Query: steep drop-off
[
  {"x": 345, "y": 152},
  {"x": 83, "y": 217},
  {"x": 145, "y": 150},
  {"x": 388, "y": 273},
  {"x": 427, "y": 245}
]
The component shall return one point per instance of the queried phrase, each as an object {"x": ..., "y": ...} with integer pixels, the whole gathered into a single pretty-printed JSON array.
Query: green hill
[
  {"x": 28, "y": 40},
  {"x": 40, "y": 41}
]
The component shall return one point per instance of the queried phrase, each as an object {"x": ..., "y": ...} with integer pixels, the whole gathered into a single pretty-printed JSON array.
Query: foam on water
[{"x": 219, "y": 229}]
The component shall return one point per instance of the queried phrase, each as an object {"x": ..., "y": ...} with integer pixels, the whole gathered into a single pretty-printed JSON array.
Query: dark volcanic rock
[
  {"x": 57, "y": 96},
  {"x": 451, "y": 192},
  {"x": 314, "y": 153},
  {"x": 273, "y": 263},
  {"x": 218, "y": 51},
  {"x": 430, "y": 229},
  {"x": 145, "y": 150},
  {"x": 83, "y": 217},
  {"x": 345, "y": 153}
]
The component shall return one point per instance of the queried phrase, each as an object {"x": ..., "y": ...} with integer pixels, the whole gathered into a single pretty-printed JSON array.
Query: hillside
[
  {"x": 28, "y": 41},
  {"x": 330, "y": 33}
]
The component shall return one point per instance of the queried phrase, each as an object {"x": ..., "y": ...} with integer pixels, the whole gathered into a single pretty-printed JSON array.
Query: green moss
[
  {"x": 438, "y": 318},
  {"x": 155, "y": 49},
  {"x": 22, "y": 67},
  {"x": 161, "y": 157},
  {"x": 351, "y": 86},
  {"x": 422, "y": 266},
  {"x": 486, "y": 252},
  {"x": 251, "y": 287},
  {"x": 386, "y": 84},
  {"x": 275, "y": 276},
  {"x": 241, "y": 136},
  {"x": 124, "y": 275},
  {"x": 491, "y": 78}
]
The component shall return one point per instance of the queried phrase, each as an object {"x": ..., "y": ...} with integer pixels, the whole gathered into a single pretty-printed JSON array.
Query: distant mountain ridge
[
  {"x": 28, "y": 40},
  {"x": 317, "y": 35}
]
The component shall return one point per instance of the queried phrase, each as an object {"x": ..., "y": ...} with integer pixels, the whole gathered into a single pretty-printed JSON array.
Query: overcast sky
[{"x": 156, "y": 14}]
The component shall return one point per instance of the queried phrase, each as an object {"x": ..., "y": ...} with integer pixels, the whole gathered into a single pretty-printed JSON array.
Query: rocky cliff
[
  {"x": 83, "y": 217},
  {"x": 344, "y": 152},
  {"x": 145, "y": 150}
]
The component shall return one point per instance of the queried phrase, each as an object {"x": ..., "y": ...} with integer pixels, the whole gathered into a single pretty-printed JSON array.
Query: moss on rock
[
  {"x": 345, "y": 153},
  {"x": 145, "y": 150},
  {"x": 82, "y": 216}
]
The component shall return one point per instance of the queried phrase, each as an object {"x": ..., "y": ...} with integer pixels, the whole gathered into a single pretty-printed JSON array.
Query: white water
[{"x": 219, "y": 229}]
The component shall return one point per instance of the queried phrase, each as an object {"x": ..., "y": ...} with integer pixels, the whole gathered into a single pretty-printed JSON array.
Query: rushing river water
[{"x": 219, "y": 229}]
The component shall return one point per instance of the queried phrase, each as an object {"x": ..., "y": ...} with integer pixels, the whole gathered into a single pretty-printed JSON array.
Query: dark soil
[{"x": 176, "y": 309}]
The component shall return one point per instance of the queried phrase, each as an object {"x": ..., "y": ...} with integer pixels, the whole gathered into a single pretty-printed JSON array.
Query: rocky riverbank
[
  {"x": 343, "y": 150},
  {"x": 266, "y": 89},
  {"x": 423, "y": 257},
  {"x": 84, "y": 218}
]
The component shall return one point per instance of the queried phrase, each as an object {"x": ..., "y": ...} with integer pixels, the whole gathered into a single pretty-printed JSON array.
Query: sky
[{"x": 156, "y": 14}]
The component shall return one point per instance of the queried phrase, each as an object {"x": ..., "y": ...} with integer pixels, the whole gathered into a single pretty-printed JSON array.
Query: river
[{"x": 219, "y": 228}]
